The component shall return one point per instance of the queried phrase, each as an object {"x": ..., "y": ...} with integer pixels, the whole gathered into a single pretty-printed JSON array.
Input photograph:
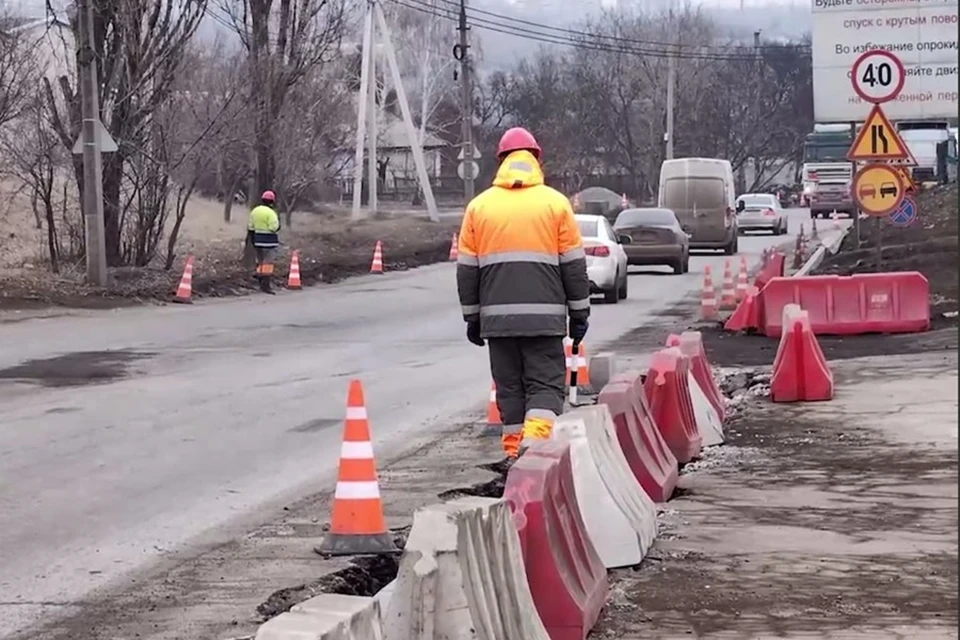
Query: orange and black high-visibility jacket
[{"x": 520, "y": 265}]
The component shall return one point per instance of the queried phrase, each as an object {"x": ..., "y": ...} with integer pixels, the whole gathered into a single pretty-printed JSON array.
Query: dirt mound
[
  {"x": 929, "y": 246},
  {"x": 330, "y": 249}
]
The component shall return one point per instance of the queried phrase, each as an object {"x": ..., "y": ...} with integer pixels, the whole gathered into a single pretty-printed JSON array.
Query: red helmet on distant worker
[
  {"x": 517, "y": 139},
  {"x": 268, "y": 196}
]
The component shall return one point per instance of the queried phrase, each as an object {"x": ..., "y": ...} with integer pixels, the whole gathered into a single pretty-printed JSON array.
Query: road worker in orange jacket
[{"x": 521, "y": 271}]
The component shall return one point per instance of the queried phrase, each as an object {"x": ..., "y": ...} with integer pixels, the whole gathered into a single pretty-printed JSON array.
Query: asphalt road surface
[{"x": 128, "y": 434}]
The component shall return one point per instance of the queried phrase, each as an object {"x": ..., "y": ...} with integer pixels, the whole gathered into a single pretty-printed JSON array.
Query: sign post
[{"x": 881, "y": 185}]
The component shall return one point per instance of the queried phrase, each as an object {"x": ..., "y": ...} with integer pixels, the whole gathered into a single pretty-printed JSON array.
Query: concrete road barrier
[
  {"x": 462, "y": 577},
  {"x": 619, "y": 516},
  {"x": 602, "y": 368},
  {"x": 650, "y": 459},
  {"x": 668, "y": 393},
  {"x": 690, "y": 344},
  {"x": 709, "y": 425},
  {"x": 326, "y": 617},
  {"x": 567, "y": 578}
]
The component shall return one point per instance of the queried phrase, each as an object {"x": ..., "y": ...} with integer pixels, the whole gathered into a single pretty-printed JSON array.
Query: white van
[{"x": 701, "y": 192}]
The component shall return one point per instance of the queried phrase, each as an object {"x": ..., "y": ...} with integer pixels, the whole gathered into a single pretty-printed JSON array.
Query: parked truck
[
  {"x": 826, "y": 174},
  {"x": 934, "y": 148}
]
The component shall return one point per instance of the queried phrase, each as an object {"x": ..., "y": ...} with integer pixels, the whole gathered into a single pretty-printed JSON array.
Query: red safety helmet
[
  {"x": 268, "y": 196},
  {"x": 517, "y": 139}
]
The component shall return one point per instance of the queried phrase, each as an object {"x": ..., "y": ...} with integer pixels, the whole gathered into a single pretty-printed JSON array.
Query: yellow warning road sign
[
  {"x": 878, "y": 189},
  {"x": 878, "y": 140},
  {"x": 905, "y": 178}
]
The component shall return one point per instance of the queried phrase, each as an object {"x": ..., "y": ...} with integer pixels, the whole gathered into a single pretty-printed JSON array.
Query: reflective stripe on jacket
[
  {"x": 265, "y": 224},
  {"x": 520, "y": 264}
]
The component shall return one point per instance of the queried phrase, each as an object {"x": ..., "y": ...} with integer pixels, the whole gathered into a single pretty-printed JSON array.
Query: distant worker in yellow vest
[{"x": 262, "y": 230}]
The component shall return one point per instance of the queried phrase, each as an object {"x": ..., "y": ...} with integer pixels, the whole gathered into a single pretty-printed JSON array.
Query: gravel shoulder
[
  {"x": 826, "y": 520},
  {"x": 331, "y": 248}
]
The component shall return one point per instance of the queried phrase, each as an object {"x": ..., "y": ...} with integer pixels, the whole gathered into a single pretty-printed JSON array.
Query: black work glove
[
  {"x": 578, "y": 329},
  {"x": 473, "y": 333}
]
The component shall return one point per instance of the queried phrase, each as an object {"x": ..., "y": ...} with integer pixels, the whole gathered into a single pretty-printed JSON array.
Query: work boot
[{"x": 265, "y": 286}]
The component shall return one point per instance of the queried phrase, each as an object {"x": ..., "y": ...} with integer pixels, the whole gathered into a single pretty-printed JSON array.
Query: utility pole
[
  {"x": 466, "y": 103},
  {"x": 362, "y": 104},
  {"x": 91, "y": 148},
  {"x": 373, "y": 118},
  {"x": 759, "y": 92},
  {"x": 671, "y": 94}
]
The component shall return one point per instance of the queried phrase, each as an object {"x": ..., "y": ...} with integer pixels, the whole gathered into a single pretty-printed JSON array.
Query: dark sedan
[{"x": 656, "y": 237}]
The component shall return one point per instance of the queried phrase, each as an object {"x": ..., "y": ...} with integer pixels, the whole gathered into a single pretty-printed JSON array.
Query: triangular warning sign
[
  {"x": 908, "y": 184},
  {"x": 878, "y": 140}
]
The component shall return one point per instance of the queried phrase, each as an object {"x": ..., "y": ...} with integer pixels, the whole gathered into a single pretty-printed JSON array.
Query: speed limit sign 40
[{"x": 878, "y": 76}]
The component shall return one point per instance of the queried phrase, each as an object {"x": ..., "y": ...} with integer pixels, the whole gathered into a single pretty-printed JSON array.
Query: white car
[
  {"x": 761, "y": 212},
  {"x": 606, "y": 259}
]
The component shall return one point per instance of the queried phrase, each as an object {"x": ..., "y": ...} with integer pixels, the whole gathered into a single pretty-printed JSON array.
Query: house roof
[{"x": 393, "y": 135}]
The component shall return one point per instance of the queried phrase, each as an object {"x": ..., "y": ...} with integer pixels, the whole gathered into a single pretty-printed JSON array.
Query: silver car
[{"x": 761, "y": 212}]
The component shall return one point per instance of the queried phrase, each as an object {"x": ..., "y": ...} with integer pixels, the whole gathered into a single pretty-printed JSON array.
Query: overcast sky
[{"x": 35, "y": 8}]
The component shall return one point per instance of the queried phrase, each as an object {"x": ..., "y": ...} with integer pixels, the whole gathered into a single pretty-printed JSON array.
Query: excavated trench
[{"x": 367, "y": 575}]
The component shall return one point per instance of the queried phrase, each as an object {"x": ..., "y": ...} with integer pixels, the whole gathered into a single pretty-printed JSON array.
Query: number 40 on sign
[{"x": 878, "y": 76}]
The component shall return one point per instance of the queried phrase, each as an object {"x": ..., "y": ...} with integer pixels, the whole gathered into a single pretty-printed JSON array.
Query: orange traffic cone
[
  {"x": 293, "y": 280},
  {"x": 454, "y": 251},
  {"x": 708, "y": 297},
  {"x": 377, "y": 265},
  {"x": 357, "y": 525},
  {"x": 742, "y": 284},
  {"x": 728, "y": 295},
  {"x": 494, "y": 421},
  {"x": 185, "y": 288}
]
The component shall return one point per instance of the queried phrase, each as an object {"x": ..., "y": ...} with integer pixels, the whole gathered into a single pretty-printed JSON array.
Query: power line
[
  {"x": 574, "y": 32},
  {"x": 585, "y": 41}
]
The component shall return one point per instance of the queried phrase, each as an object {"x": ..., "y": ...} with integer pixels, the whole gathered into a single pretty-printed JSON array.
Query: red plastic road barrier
[
  {"x": 567, "y": 578},
  {"x": 649, "y": 457},
  {"x": 747, "y": 314},
  {"x": 848, "y": 305},
  {"x": 690, "y": 344},
  {"x": 773, "y": 269},
  {"x": 800, "y": 371},
  {"x": 668, "y": 393}
]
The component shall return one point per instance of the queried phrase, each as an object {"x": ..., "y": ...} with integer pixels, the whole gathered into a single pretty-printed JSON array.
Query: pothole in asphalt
[
  {"x": 75, "y": 369},
  {"x": 489, "y": 489}
]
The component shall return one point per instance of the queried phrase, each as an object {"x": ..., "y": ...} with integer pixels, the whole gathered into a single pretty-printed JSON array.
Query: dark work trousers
[{"x": 529, "y": 373}]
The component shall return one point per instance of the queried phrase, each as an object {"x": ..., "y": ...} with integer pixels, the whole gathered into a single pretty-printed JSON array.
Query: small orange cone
[
  {"x": 454, "y": 251},
  {"x": 742, "y": 284},
  {"x": 185, "y": 288},
  {"x": 357, "y": 525},
  {"x": 293, "y": 280},
  {"x": 494, "y": 421},
  {"x": 377, "y": 265},
  {"x": 728, "y": 295},
  {"x": 708, "y": 297}
]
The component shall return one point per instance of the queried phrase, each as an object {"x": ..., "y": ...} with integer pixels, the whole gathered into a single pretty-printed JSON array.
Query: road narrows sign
[
  {"x": 878, "y": 140},
  {"x": 878, "y": 76},
  {"x": 878, "y": 189}
]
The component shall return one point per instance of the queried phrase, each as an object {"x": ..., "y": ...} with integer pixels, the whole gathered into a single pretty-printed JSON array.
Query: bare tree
[
  {"x": 17, "y": 70},
  {"x": 424, "y": 41},
  {"x": 285, "y": 40},
  {"x": 138, "y": 48}
]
